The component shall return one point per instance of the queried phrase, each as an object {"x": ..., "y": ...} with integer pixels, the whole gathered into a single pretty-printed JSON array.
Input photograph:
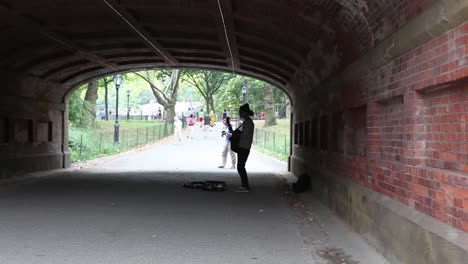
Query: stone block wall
[{"x": 31, "y": 126}]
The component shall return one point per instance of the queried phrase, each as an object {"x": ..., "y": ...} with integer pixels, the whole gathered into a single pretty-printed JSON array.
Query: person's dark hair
[
  {"x": 246, "y": 108},
  {"x": 228, "y": 122},
  {"x": 191, "y": 115}
]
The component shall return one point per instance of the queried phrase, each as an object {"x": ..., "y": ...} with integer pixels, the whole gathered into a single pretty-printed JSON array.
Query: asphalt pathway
[{"x": 132, "y": 208}]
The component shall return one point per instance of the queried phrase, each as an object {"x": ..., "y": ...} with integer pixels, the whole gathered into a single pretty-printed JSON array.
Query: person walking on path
[
  {"x": 177, "y": 128},
  {"x": 206, "y": 125},
  {"x": 245, "y": 143},
  {"x": 213, "y": 119},
  {"x": 201, "y": 116},
  {"x": 190, "y": 124},
  {"x": 225, "y": 114},
  {"x": 227, "y": 144}
]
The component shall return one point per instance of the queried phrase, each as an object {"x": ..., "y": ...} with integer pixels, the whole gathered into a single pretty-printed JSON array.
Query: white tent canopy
[
  {"x": 181, "y": 108},
  {"x": 151, "y": 109}
]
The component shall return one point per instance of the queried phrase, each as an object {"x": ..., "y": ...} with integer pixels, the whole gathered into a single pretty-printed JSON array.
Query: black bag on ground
[
  {"x": 302, "y": 184},
  {"x": 207, "y": 185}
]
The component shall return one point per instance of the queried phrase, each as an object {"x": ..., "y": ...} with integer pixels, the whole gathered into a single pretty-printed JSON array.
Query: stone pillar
[{"x": 32, "y": 119}]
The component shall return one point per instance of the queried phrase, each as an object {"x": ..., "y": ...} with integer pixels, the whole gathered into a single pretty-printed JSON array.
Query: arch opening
[{"x": 149, "y": 100}]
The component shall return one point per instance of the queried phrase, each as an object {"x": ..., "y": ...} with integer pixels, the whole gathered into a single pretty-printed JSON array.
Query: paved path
[{"x": 132, "y": 208}]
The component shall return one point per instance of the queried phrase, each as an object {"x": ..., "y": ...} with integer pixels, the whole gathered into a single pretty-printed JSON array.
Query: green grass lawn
[
  {"x": 90, "y": 143},
  {"x": 274, "y": 140}
]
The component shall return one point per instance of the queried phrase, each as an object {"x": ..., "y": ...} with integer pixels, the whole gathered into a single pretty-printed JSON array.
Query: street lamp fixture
[
  {"x": 244, "y": 93},
  {"x": 128, "y": 105},
  {"x": 117, "y": 82}
]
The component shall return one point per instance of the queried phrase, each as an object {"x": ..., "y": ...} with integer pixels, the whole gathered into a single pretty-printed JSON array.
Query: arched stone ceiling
[{"x": 69, "y": 42}]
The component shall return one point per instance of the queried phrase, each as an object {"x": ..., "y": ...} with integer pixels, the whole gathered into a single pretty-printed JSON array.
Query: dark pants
[{"x": 242, "y": 156}]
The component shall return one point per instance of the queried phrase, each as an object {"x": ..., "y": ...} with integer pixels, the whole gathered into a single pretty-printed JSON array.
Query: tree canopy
[
  {"x": 207, "y": 83},
  {"x": 216, "y": 90}
]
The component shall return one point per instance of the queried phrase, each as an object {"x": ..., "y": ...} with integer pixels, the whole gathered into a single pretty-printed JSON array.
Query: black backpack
[
  {"x": 302, "y": 184},
  {"x": 217, "y": 186}
]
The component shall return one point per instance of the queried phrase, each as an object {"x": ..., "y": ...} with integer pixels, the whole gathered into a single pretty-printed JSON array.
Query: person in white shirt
[
  {"x": 245, "y": 143},
  {"x": 227, "y": 144},
  {"x": 177, "y": 128}
]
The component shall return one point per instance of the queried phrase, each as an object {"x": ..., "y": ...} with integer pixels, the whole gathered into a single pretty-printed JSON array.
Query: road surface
[{"x": 132, "y": 208}]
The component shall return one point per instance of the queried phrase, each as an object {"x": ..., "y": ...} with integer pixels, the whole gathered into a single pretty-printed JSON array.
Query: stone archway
[{"x": 348, "y": 66}]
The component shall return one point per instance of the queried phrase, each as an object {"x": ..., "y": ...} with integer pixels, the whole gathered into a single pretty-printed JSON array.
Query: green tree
[
  {"x": 230, "y": 97},
  {"x": 208, "y": 84},
  {"x": 76, "y": 112},
  {"x": 166, "y": 94},
  {"x": 89, "y": 104},
  {"x": 188, "y": 92},
  {"x": 105, "y": 83},
  {"x": 270, "y": 119},
  {"x": 256, "y": 96}
]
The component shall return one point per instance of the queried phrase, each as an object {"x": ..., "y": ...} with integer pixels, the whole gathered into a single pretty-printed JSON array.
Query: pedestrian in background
[
  {"x": 190, "y": 124},
  {"x": 177, "y": 128},
  {"x": 201, "y": 116},
  {"x": 213, "y": 119},
  {"x": 206, "y": 125},
  {"x": 226, "y": 133}
]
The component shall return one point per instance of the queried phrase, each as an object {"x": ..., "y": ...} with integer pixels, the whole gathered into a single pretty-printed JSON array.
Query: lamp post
[
  {"x": 244, "y": 93},
  {"x": 128, "y": 105},
  {"x": 117, "y": 82}
]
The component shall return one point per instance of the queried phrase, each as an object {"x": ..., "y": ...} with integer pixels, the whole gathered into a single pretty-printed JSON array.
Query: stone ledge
[
  {"x": 14, "y": 166},
  {"x": 400, "y": 233}
]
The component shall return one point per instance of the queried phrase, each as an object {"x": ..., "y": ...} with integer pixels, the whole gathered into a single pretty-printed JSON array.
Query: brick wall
[
  {"x": 446, "y": 128},
  {"x": 404, "y": 131},
  {"x": 418, "y": 133}
]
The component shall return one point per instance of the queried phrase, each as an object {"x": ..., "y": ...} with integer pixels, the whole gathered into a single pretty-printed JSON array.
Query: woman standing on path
[
  {"x": 245, "y": 143},
  {"x": 227, "y": 145}
]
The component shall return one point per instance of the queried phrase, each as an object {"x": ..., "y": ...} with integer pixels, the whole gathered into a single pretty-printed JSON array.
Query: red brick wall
[
  {"x": 417, "y": 132},
  {"x": 419, "y": 149},
  {"x": 446, "y": 115}
]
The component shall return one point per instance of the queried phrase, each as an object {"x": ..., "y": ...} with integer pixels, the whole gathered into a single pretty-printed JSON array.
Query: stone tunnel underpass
[{"x": 379, "y": 95}]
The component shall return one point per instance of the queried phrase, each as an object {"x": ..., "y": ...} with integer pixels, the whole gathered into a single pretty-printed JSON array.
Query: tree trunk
[
  {"x": 206, "y": 108},
  {"x": 169, "y": 99},
  {"x": 106, "y": 99},
  {"x": 89, "y": 104},
  {"x": 254, "y": 95},
  {"x": 270, "y": 119},
  {"x": 212, "y": 103},
  {"x": 288, "y": 108},
  {"x": 175, "y": 75},
  {"x": 170, "y": 112}
]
